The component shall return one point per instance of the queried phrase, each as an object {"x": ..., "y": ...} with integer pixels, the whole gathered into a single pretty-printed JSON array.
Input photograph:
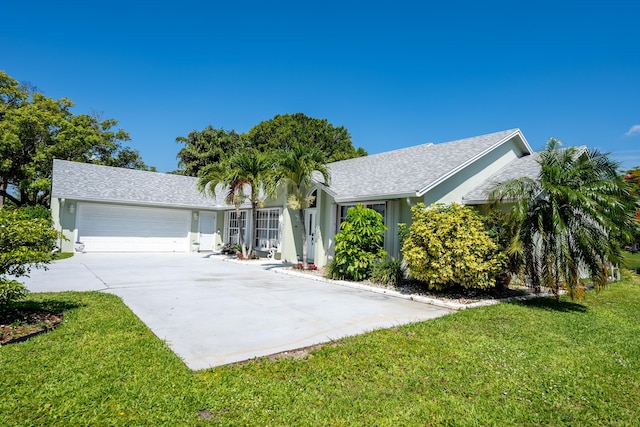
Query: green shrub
[
  {"x": 389, "y": 272},
  {"x": 27, "y": 240},
  {"x": 331, "y": 271},
  {"x": 10, "y": 291},
  {"x": 448, "y": 246},
  {"x": 358, "y": 244}
]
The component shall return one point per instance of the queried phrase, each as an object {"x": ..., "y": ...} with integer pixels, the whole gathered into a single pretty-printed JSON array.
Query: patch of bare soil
[{"x": 18, "y": 325}]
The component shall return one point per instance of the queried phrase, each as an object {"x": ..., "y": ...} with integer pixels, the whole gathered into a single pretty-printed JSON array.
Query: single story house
[{"x": 113, "y": 209}]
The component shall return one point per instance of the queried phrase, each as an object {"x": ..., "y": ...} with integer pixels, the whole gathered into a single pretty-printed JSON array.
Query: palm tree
[
  {"x": 568, "y": 221},
  {"x": 247, "y": 169},
  {"x": 295, "y": 168}
]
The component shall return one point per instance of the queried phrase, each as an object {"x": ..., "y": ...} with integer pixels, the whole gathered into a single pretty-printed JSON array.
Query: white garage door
[{"x": 108, "y": 228}]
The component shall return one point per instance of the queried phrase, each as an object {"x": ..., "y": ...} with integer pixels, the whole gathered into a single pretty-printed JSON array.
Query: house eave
[
  {"x": 141, "y": 202},
  {"x": 475, "y": 202},
  {"x": 372, "y": 197}
]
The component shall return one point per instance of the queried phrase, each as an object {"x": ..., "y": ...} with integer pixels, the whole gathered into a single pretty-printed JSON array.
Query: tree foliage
[
  {"x": 569, "y": 221},
  {"x": 359, "y": 244},
  {"x": 632, "y": 177},
  {"x": 27, "y": 240},
  {"x": 449, "y": 246},
  {"x": 205, "y": 147},
  {"x": 35, "y": 129},
  {"x": 242, "y": 175},
  {"x": 288, "y": 130},
  {"x": 294, "y": 167}
]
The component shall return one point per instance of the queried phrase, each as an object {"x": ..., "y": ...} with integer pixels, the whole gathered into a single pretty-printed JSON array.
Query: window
[
  {"x": 232, "y": 225},
  {"x": 268, "y": 228},
  {"x": 378, "y": 207}
]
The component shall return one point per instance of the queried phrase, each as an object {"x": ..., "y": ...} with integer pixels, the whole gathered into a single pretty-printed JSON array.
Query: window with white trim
[
  {"x": 378, "y": 207},
  {"x": 232, "y": 226},
  {"x": 268, "y": 228}
]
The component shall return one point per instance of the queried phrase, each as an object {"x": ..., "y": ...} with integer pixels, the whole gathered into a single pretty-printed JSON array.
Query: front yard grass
[
  {"x": 632, "y": 260},
  {"x": 533, "y": 363}
]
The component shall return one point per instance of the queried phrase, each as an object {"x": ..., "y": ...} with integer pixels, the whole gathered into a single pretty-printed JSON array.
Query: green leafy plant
[
  {"x": 26, "y": 240},
  {"x": 448, "y": 246},
  {"x": 10, "y": 291},
  {"x": 389, "y": 272},
  {"x": 358, "y": 244},
  {"x": 570, "y": 221}
]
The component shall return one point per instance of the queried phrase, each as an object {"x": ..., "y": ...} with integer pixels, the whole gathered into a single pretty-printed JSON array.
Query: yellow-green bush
[{"x": 449, "y": 246}]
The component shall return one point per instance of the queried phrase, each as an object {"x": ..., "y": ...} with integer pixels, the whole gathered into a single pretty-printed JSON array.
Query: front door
[
  {"x": 310, "y": 223},
  {"x": 207, "y": 229}
]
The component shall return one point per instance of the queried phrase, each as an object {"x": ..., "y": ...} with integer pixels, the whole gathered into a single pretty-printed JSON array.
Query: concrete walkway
[{"x": 212, "y": 312}]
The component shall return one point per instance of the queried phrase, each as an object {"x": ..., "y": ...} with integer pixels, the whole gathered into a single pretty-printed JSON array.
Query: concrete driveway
[{"x": 212, "y": 312}]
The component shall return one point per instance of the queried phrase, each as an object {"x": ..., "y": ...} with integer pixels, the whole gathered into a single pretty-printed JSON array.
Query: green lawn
[
  {"x": 62, "y": 255},
  {"x": 536, "y": 363},
  {"x": 632, "y": 260}
]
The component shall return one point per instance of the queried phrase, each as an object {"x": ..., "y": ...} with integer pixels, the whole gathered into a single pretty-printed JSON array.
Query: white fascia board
[
  {"x": 525, "y": 143},
  {"x": 443, "y": 178},
  {"x": 326, "y": 189},
  {"x": 373, "y": 198},
  {"x": 474, "y": 202},
  {"x": 140, "y": 203}
]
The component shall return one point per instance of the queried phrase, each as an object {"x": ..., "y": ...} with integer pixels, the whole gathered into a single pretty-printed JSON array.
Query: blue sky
[{"x": 395, "y": 74}]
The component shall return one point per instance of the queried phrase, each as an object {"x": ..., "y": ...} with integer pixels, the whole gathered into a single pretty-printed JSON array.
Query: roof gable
[
  {"x": 526, "y": 166},
  {"x": 411, "y": 172}
]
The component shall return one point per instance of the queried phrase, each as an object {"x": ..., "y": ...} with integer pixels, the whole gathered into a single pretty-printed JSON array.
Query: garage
[{"x": 118, "y": 228}]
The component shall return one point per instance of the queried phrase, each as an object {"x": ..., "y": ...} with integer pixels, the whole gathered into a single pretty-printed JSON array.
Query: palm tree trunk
[
  {"x": 254, "y": 222},
  {"x": 303, "y": 228},
  {"x": 241, "y": 233}
]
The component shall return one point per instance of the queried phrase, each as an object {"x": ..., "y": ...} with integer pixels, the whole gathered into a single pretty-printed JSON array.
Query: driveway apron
[{"x": 212, "y": 312}]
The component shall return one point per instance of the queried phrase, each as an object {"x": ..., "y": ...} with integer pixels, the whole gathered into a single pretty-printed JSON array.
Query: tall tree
[
  {"x": 35, "y": 129},
  {"x": 572, "y": 218},
  {"x": 295, "y": 167},
  {"x": 205, "y": 147},
  {"x": 288, "y": 130},
  {"x": 245, "y": 170},
  {"x": 632, "y": 177}
]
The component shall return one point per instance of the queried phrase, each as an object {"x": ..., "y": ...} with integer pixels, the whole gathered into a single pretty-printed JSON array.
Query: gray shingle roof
[
  {"x": 400, "y": 173},
  {"x": 410, "y": 171},
  {"x": 526, "y": 166},
  {"x": 83, "y": 181}
]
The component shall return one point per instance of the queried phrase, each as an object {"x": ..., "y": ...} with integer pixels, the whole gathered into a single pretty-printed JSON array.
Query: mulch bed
[
  {"x": 17, "y": 325},
  {"x": 457, "y": 295}
]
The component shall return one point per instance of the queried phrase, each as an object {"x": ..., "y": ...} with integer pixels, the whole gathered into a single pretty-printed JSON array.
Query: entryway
[
  {"x": 207, "y": 231},
  {"x": 310, "y": 224}
]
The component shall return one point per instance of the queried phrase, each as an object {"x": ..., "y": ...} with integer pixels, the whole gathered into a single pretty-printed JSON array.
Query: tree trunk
[
  {"x": 303, "y": 228},
  {"x": 241, "y": 233},
  {"x": 254, "y": 221},
  {"x": 4, "y": 195}
]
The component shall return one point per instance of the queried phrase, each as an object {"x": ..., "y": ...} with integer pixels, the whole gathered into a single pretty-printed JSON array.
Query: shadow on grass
[
  {"x": 550, "y": 304},
  {"x": 52, "y": 305}
]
